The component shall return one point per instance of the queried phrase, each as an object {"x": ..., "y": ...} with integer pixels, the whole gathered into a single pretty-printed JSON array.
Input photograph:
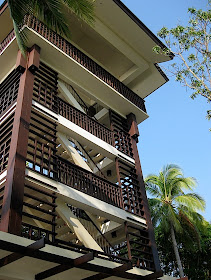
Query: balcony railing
[
  {"x": 84, "y": 121},
  {"x": 7, "y": 40},
  {"x": 78, "y": 178},
  {"x": 89, "y": 183},
  {"x": 78, "y": 56}
]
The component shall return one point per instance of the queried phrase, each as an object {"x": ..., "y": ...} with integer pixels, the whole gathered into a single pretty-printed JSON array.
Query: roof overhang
[{"x": 124, "y": 23}]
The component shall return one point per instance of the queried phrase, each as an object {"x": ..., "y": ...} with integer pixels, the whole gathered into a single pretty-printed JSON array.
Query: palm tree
[
  {"x": 50, "y": 12},
  {"x": 171, "y": 206}
]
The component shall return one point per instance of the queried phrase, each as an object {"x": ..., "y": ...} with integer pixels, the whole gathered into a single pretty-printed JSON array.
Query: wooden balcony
[
  {"x": 85, "y": 122},
  {"x": 79, "y": 57},
  {"x": 89, "y": 183},
  {"x": 73, "y": 176},
  {"x": 45, "y": 93},
  {"x": 42, "y": 158}
]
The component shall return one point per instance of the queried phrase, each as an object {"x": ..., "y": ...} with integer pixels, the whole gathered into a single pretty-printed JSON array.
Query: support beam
[
  {"x": 60, "y": 259},
  {"x": 63, "y": 267},
  {"x": 73, "y": 153},
  {"x": 16, "y": 256},
  {"x": 101, "y": 114},
  {"x": 154, "y": 275},
  {"x": 110, "y": 226},
  {"x": 115, "y": 272},
  {"x": 75, "y": 225},
  {"x": 130, "y": 75},
  {"x": 68, "y": 96},
  {"x": 11, "y": 217},
  {"x": 103, "y": 164},
  {"x": 134, "y": 133}
]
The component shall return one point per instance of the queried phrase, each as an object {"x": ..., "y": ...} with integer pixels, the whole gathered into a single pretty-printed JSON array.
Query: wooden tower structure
[{"x": 72, "y": 197}]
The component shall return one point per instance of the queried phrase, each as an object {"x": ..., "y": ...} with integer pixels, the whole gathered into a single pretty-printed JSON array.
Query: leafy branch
[{"x": 191, "y": 45}]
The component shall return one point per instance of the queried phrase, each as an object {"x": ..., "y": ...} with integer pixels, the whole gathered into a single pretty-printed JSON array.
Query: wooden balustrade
[
  {"x": 84, "y": 121},
  {"x": 5, "y": 141},
  {"x": 81, "y": 58},
  {"x": 38, "y": 205},
  {"x": 9, "y": 90},
  {"x": 89, "y": 183},
  {"x": 7, "y": 40}
]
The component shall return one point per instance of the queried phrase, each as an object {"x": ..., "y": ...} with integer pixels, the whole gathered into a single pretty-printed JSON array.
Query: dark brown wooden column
[
  {"x": 14, "y": 188},
  {"x": 134, "y": 133}
]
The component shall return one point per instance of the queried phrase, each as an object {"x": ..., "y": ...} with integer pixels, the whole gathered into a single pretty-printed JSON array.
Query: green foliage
[
  {"x": 170, "y": 202},
  {"x": 174, "y": 204},
  {"x": 191, "y": 45},
  {"x": 50, "y": 12},
  {"x": 196, "y": 261}
]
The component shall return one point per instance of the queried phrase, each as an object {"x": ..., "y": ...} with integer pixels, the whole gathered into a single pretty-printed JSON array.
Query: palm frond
[
  {"x": 84, "y": 9},
  {"x": 193, "y": 201},
  {"x": 195, "y": 222},
  {"x": 154, "y": 183},
  {"x": 18, "y": 9},
  {"x": 21, "y": 38},
  {"x": 50, "y": 12}
]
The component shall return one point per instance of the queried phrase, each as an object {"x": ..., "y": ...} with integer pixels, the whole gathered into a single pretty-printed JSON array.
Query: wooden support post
[
  {"x": 134, "y": 133},
  {"x": 14, "y": 188},
  {"x": 128, "y": 242}
]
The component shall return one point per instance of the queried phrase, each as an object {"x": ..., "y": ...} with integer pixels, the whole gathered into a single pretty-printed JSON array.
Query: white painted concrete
[
  {"x": 75, "y": 225},
  {"x": 2, "y": 175},
  {"x": 84, "y": 201},
  {"x": 67, "y": 127},
  {"x": 101, "y": 114},
  {"x": 73, "y": 153},
  {"x": 68, "y": 96}
]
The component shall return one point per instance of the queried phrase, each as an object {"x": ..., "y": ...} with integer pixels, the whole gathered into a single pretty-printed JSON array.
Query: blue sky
[{"x": 176, "y": 130}]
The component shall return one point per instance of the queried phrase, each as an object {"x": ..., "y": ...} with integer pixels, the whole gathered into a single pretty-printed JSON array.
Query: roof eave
[{"x": 142, "y": 26}]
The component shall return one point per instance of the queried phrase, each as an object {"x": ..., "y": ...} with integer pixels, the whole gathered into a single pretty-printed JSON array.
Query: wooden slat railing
[
  {"x": 7, "y": 40},
  {"x": 78, "y": 56},
  {"x": 89, "y": 183},
  {"x": 84, "y": 121}
]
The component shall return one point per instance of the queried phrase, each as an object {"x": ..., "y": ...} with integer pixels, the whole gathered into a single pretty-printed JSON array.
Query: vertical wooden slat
[
  {"x": 14, "y": 187},
  {"x": 134, "y": 133}
]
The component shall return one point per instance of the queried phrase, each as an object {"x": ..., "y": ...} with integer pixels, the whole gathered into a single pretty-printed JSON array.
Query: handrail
[
  {"x": 78, "y": 56},
  {"x": 88, "y": 182},
  {"x": 84, "y": 121},
  {"x": 7, "y": 40}
]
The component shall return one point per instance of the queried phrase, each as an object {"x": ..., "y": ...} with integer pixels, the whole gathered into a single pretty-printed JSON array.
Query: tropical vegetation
[
  {"x": 175, "y": 208},
  {"x": 191, "y": 45}
]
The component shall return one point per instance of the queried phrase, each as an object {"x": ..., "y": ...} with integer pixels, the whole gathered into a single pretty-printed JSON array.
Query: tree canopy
[
  {"x": 196, "y": 260},
  {"x": 174, "y": 206},
  {"x": 191, "y": 45}
]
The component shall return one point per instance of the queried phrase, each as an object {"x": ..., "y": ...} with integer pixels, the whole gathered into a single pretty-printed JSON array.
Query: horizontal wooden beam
[
  {"x": 16, "y": 256},
  {"x": 154, "y": 275},
  {"x": 116, "y": 270},
  {"x": 54, "y": 258},
  {"x": 63, "y": 267}
]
